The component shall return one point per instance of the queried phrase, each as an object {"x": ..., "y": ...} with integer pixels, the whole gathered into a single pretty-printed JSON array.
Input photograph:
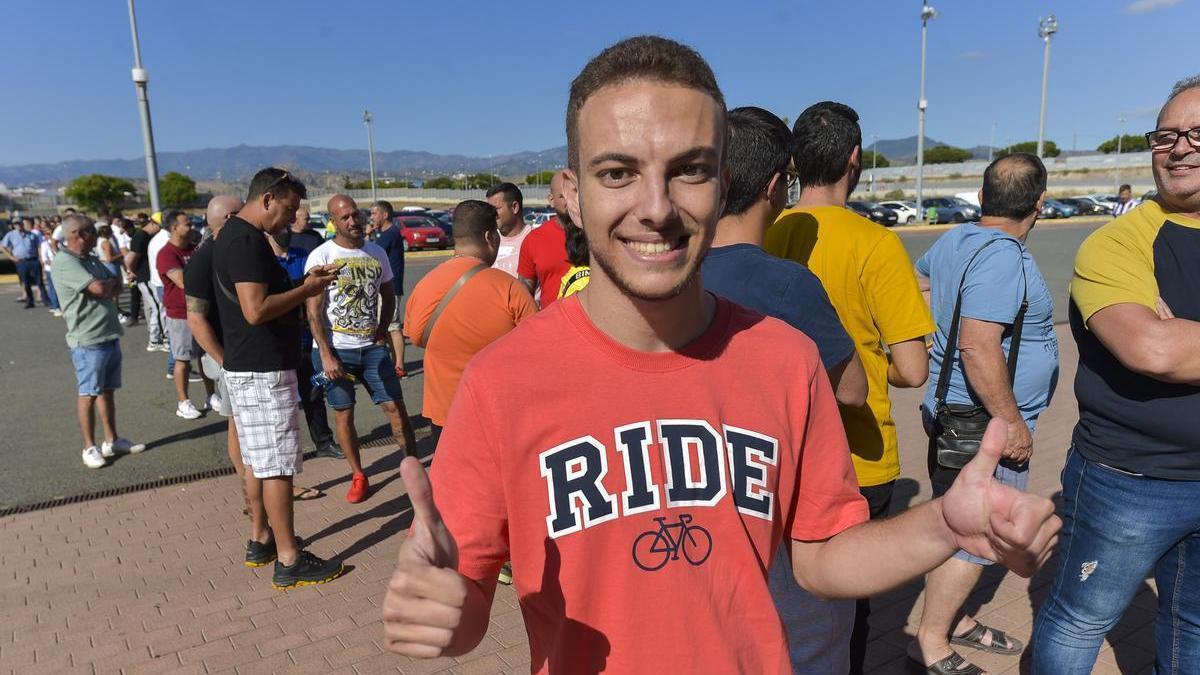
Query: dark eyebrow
[
  {"x": 698, "y": 152},
  {"x": 612, "y": 157}
]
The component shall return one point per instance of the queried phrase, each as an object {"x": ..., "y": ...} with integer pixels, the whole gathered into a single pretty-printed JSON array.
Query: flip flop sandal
[
  {"x": 954, "y": 664},
  {"x": 304, "y": 494},
  {"x": 1001, "y": 643}
]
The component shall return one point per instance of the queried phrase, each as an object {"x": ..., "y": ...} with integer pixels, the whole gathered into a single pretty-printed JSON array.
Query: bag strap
[
  {"x": 1014, "y": 343},
  {"x": 466, "y": 276}
]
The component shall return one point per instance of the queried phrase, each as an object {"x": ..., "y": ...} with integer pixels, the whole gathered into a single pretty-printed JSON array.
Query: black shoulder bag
[{"x": 958, "y": 429}]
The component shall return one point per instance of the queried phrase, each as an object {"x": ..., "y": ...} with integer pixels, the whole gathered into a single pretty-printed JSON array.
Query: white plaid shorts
[{"x": 266, "y": 409}]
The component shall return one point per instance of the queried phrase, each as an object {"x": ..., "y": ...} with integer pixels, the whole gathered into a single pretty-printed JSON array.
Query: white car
[{"x": 906, "y": 212}]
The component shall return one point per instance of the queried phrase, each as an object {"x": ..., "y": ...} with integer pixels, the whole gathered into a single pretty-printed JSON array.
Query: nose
[{"x": 655, "y": 207}]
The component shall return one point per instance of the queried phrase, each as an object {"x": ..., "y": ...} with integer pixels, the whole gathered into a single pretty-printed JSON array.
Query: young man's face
[
  {"x": 507, "y": 213},
  {"x": 650, "y": 184}
]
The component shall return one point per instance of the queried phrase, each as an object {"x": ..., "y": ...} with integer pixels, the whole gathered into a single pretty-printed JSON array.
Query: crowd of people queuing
[{"x": 711, "y": 372}]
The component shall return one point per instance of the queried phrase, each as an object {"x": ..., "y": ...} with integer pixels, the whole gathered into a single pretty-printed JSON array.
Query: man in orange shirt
[
  {"x": 677, "y": 441},
  {"x": 478, "y": 313}
]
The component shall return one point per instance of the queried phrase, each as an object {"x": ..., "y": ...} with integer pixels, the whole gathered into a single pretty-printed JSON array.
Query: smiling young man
[{"x": 640, "y": 513}]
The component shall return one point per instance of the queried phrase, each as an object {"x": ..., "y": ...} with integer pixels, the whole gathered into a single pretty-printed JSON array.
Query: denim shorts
[
  {"x": 97, "y": 367},
  {"x": 372, "y": 366}
]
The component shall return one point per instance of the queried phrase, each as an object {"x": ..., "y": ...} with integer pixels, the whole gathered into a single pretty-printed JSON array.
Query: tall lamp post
[
  {"x": 992, "y": 143},
  {"x": 1117, "y": 173},
  {"x": 1046, "y": 27},
  {"x": 927, "y": 13},
  {"x": 874, "y": 161},
  {"x": 371, "y": 154},
  {"x": 140, "y": 78}
]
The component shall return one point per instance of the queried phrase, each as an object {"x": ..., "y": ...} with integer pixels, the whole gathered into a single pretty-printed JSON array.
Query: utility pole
[
  {"x": 927, "y": 13},
  {"x": 874, "y": 161},
  {"x": 991, "y": 143},
  {"x": 140, "y": 79},
  {"x": 371, "y": 154},
  {"x": 1046, "y": 28}
]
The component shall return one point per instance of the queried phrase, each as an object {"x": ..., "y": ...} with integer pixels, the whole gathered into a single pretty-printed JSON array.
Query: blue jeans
[
  {"x": 1117, "y": 527},
  {"x": 370, "y": 365},
  {"x": 29, "y": 271},
  {"x": 51, "y": 291}
]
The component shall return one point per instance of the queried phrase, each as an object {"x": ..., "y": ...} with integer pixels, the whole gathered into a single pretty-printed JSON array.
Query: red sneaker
[{"x": 359, "y": 489}]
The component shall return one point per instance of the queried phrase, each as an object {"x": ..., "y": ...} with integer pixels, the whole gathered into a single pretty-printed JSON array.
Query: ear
[
  {"x": 773, "y": 184},
  {"x": 979, "y": 198},
  {"x": 1040, "y": 202},
  {"x": 571, "y": 194},
  {"x": 855, "y": 161}
]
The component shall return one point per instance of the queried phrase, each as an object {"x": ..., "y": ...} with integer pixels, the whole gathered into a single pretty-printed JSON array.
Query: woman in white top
[{"x": 46, "y": 256}]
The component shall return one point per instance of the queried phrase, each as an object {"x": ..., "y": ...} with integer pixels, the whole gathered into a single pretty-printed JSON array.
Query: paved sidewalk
[{"x": 153, "y": 581}]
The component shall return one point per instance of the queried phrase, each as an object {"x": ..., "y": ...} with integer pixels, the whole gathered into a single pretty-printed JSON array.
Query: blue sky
[{"x": 491, "y": 78}]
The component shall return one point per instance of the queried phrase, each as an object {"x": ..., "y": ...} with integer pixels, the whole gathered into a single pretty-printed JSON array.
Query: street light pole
[
  {"x": 1046, "y": 28},
  {"x": 927, "y": 13},
  {"x": 992, "y": 143},
  {"x": 140, "y": 79},
  {"x": 1117, "y": 173},
  {"x": 874, "y": 160},
  {"x": 371, "y": 154}
]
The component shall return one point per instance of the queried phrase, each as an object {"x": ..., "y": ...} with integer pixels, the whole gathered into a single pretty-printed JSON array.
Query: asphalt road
[{"x": 40, "y": 444}]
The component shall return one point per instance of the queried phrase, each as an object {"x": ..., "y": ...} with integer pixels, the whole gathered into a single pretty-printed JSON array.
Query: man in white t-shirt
[
  {"x": 157, "y": 242},
  {"x": 510, "y": 205},
  {"x": 349, "y": 338}
]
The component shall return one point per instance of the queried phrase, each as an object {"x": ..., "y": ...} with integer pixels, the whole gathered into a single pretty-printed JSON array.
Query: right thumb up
[{"x": 428, "y": 540}]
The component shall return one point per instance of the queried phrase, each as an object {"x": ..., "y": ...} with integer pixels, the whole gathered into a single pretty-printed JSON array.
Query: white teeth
[{"x": 648, "y": 248}]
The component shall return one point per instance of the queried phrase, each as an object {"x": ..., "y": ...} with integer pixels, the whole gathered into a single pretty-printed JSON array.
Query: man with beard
[
  {"x": 543, "y": 259},
  {"x": 260, "y": 324},
  {"x": 348, "y": 335},
  {"x": 638, "y": 524}
]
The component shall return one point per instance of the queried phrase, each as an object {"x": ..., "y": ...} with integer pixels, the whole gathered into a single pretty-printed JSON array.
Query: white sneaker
[
  {"x": 162, "y": 347},
  {"x": 186, "y": 410},
  {"x": 170, "y": 376},
  {"x": 214, "y": 402},
  {"x": 92, "y": 458},
  {"x": 56, "y": 312},
  {"x": 151, "y": 347},
  {"x": 121, "y": 445}
]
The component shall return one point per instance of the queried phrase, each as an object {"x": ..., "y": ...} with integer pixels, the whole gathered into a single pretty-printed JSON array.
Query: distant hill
[{"x": 242, "y": 161}]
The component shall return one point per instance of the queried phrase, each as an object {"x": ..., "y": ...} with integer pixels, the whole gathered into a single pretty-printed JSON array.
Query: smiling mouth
[{"x": 655, "y": 248}]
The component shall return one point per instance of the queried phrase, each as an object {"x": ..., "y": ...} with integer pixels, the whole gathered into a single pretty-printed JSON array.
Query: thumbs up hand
[
  {"x": 426, "y": 595},
  {"x": 995, "y": 521}
]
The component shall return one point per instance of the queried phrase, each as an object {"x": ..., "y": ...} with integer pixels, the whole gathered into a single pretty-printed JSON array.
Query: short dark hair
[
  {"x": 646, "y": 57},
  {"x": 826, "y": 134},
  {"x": 172, "y": 216},
  {"x": 385, "y": 206},
  {"x": 1124, "y": 187},
  {"x": 277, "y": 182},
  {"x": 760, "y": 146},
  {"x": 473, "y": 219},
  {"x": 511, "y": 192},
  {"x": 1012, "y": 186}
]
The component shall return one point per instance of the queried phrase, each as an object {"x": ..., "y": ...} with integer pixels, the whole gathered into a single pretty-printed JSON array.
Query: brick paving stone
[
  {"x": 352, "y": 655},
  {"x": 487, "y": 665}
]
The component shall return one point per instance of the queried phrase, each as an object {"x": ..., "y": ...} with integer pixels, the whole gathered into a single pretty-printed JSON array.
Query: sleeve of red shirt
[
  {"x": 526, "y": 269},
  {"x": 467, "y": 486},
  {"x": 827, "y": 499},
  {"x": 168, "y": 259}
]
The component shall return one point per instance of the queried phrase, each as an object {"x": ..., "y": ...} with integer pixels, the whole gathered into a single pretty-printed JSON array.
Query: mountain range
[{"x": 240, "y": 162}]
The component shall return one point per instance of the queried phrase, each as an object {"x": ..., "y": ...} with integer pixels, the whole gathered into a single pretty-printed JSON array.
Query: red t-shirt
[
  {"x": 544, "y": 257},
  {"x": 736, "y": 437},
  {"x": 169, "y": 258}
]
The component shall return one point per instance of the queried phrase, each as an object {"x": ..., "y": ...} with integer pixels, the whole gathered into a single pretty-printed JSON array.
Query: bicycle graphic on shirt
[{"x": 653, "y": 549}]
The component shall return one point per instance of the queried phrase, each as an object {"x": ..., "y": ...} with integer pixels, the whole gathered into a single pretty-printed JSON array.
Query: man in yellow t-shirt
[{"x": 870, "y": 281}]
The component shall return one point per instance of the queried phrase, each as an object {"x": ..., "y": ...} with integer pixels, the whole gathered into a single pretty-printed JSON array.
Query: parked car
[
  {"x": 906, "y": 212},
  {"x": 950, "y": 210},
  {"x": 1083, "y": 207},
  {"x": 535, "y": 216},
  {"x": 421, "y": 233},
  {"x": 875, "y": 212},
  {"x": 443, "y": 220},
  {"x": 1064, "y": 210},
  {"x": 1102, "y": 206}
]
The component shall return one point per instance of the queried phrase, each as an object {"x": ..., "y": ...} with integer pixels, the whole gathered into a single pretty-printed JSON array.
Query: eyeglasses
[
  {"x": 792, "y": 178},
  {"x": 1165, "y": 139},
  {"x": 277, "y": 181}
]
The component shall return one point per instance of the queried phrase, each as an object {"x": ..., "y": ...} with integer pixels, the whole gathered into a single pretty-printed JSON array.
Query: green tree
[
  {"x": 880, "y": 160},
  {"x": 946, "y": 154},
  {"x": 97, "y": 192},
  {"x": 540, "y": 178},
  {"x": 1129, "y": 143},
  {"x": 894, "y": 195},
  {"x": 177, "y": 189},
  {"x": 1049, "y": 149},
  {"x": 440, "y": 183}
]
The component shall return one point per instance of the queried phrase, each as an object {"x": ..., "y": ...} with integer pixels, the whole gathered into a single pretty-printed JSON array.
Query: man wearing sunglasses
[{"x": 1131, "y": 484}]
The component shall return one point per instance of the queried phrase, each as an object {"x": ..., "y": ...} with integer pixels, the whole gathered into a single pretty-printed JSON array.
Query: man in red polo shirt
[
  {"x": 171, "y": 260},
  {"x": 543, "y": 260}
]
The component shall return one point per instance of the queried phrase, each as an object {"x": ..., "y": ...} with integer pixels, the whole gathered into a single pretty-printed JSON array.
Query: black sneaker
[
  {"x": 308, "y": 570},
  {"x": 258, "y": 554},
  {"x": 331, "y": 450}
]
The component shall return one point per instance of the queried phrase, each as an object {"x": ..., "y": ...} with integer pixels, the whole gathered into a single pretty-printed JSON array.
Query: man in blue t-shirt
[
  {"x": 994, "y": 282},
  {"x": 739, "y": 269},
  {"x": 392, "y": 242}
]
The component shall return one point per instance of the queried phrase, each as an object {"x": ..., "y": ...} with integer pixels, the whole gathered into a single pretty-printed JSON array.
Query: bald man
[
  {"x": 543, "y": 260},
  {"x": 348, "y": 336},
  {"x": 302, "y": 234}
]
